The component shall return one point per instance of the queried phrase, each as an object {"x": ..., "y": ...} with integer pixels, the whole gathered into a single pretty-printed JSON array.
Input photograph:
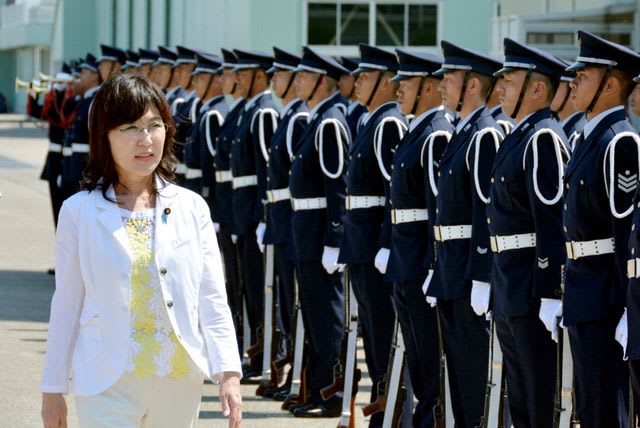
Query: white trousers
[{"x": 143, "y": 402}]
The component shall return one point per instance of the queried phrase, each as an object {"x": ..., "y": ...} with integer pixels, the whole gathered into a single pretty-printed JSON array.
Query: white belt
[
  {"x": 633, "y": 268},
  {"x": 224, "y": 176},
  {"x": 181, "y": 169},
  {"x": 300, "y": 204},
  {"x": 578, "y": 249},
  {"x": 193, "y": 173},
  {"x": 409, "y": 215},
  {"x": 512, "y": 242},
  {"x": 244, "y": 181},
  {"x": 277, "y": 195},
  {"x": 55, "y": 147},
  {"x": 80, "y": 148},
  {"x": 67, "y": 151},
  {"x": 357, "y": 202},
  {"x": 447, "y": 233}
]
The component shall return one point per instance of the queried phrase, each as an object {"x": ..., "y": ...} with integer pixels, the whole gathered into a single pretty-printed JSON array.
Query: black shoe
[
  {"x": 281, "y": 394},
  {"x": 51, "y": 271},
  {"x": 313, "y": 410}
]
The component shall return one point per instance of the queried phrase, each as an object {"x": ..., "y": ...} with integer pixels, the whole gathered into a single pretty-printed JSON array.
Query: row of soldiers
[{"x": 456, "y": 196}]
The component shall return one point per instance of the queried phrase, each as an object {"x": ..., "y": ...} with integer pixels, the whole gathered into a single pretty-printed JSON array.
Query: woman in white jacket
[{"x": 139, "y": 316}]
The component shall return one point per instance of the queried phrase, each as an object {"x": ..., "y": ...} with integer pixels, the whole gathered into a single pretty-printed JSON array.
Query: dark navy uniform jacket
[
  {"x": 412, "y": 244},
  {"x": 573, "y": 127},
  {"x": 53, "y": 163},
  {"x": 596, "y": 285},
  {"x": 184, "y": 115},
  {"x": 196, "y": 142},
  {"x": 73, "y": 166},
  {"x": 633, "y": 289},
  {"x": 506, "y": 122},
  {"x": 463, "y": 187},
  {"x": 312, "y": 230},
  {"x": 366, "y": 230},
  {"x": 256, "y": 125},
  {"x": 177, "y": 93},
  {"x": 223, "y": 210},
  {"x": 355, "y": 110},
  {"x": 520, "y": 277},
  {"x": 278, "y": 230}
]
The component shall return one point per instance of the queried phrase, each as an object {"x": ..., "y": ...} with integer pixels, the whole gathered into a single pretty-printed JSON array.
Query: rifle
[
  {"x": 565, "y": 393},
  {"x": 242, "y": 316},
  {"x": 269, "y": 330},
  {"x": 439, "y": 410},
  {"x": 394, "y": 397},
  {"x": 297, "y": 393},
  {"x": 633, "y": 416}
]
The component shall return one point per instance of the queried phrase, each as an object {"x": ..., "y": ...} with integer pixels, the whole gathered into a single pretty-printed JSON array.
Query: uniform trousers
[
  {"x": 151, "y": 402},
  {"x": 253, "y": 281},
  {"x": 230, "y": 258},
  {"x": 376, "y": 318},
  {"x": 420, "y": 333},
  {"x": 529, "y": 361},
  {"x": 285, "y": 289},
  {"x": 322, "y": 305},
  {"x": 57, "y": 198},
  {"x": 602, "y": 376},
  {"x": 465, "y": 337}
]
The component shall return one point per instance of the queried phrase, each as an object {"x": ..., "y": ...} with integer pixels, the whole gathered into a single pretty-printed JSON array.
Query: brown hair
[{"x": 124, "y": 98}]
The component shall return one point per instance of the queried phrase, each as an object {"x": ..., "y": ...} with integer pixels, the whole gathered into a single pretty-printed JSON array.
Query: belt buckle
[
  {"x": 436, "y": 232},
  {"x": 270, "y": 196},
  {"x": 494, "y": 243},
  {"x": 347, "y": 203},
  {"x": 393, "y": 217},
  {"x": 631, "y": 268},
  {"x": 569, "y": 247}
]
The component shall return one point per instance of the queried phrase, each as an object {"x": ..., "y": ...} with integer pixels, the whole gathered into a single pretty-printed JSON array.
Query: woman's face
[{"x": 137, "y": 147}]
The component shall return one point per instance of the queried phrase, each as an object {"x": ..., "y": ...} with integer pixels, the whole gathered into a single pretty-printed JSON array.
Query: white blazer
[{"x": 89, "y": 326}]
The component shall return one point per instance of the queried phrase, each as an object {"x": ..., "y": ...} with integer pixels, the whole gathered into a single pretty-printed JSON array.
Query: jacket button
[
  {"x": 582, "y": 182},
  {"x": 633, "y": 227},
  {"x": 493, "y": 180},
  {"x": 169, "y": 303},
  {"x": 488, "y": 220},
  {"x": 163, "y": 271},
  {"x": 564, "y": 228},
  {"x": 501, "y": 178},
  {"x": 567, "y": 185},
  {"x": 565, "y": 207}
]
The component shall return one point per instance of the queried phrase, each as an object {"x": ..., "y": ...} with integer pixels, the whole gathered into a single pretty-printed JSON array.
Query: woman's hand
[
  {"x": 231, "y": 398},
  {"x": 54, "y": 410}
]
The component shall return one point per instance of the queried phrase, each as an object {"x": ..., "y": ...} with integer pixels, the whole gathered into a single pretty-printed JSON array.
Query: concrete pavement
[{"x": 26, "y": 252}]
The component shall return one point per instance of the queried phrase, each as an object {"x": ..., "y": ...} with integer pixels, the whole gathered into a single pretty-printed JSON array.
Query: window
[
  {"x": 393, "y": 23},
  {"x": 538, "y": 38}
]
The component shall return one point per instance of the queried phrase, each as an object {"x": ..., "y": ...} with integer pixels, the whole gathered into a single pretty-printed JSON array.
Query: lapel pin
[{"x": 165, "y": 214}]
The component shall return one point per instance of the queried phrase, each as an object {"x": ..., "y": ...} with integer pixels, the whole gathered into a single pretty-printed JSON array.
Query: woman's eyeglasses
[{"x": 154, "y": 129}]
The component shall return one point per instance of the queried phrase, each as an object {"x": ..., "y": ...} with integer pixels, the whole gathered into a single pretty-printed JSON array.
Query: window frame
[{"x": 340, "y": 49}]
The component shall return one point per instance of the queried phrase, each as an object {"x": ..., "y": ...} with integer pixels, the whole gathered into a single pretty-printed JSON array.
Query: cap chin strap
[
  {"x": 416, "y": 100},
  {"x": 293, "y": 76},
  {"x": 315, "y": 87},
  {"x": 523, "y": 89},
  {"x": 208, "y": 85},
  {"x": 375, "y": 88},
  {"x": 253, "y": 80},
  {"x": 564, "y": 102},
  {"x": 462, "y": 91},
  {"x": 594, "y": 100}
]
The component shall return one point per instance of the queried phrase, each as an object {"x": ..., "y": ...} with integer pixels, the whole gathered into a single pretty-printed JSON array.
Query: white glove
[
  {"x": 330, "y": 260},
  {"x": 432, "y": 301},
  {"x": 234, "y": 239},
  {"x": 480, "y": 295},
  {"x": 382, "y": 260},
  {"x": 260, "y": 235},
  {"x": 216, "y": 227},
  {"x": 622, "y": 334},
  {"x": 550, "y": 311}
]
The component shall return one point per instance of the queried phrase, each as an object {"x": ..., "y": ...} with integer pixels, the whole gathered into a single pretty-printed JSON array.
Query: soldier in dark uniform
[
  {"x": 317, "y": 189},
  {"x": 347, "y": 86},
  {"x": 76, "y": 145},
  {"x": 184, "y": 109},
  {"x": 524, "y": 213},
  {"x": 277, "y": 229},
  {"x": 493, "y": 104},
  {"x": 366, "y": 238},
  {"x": 200, "y": 144},
  {"x": 145, "y": 62},
  {"x": 571, "y": 120},
  {"x": 131, "y": 65},
  {"x": 256, "y": 125},
  {"x": 222, "y": 207},
  {"x": 51, "y": 111},
  {"x": 110, "y": 60},
  {"x": 162, "y": 74},
  {"x": 412, "y": 205},
  {"x": 599, "y": 184},
  {"x": 460, "y": 279}
]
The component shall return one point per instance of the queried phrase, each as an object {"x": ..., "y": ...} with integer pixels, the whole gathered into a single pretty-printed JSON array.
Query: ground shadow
[{"x": 25, "y": 295}]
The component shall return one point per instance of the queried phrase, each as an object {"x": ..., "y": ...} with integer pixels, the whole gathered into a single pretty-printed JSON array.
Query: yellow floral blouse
[{"x": 154, "y": 349}]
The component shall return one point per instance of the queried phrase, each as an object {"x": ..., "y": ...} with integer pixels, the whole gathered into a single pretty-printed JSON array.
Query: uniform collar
[
  {"x": 373, "y": 113},
  {"x": 495, "y": 108},
  {"x": 591, "y": 124},
  {"x": 288, "y": 107},
  {"x": 570, "y": 117},
  {"x": 521, "y": 122},
  {"x": 235, "y": 103},
  {"x": 253, "y": 100},
  {"x": 172, "y": 91},
  {"x": 416, "y": 121},
  {"x": 352, "y": 106},
  {"x": 315, "y": 109},
  {"x": 89, "y": 93},
  {"x": 463, "y": 122}
]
